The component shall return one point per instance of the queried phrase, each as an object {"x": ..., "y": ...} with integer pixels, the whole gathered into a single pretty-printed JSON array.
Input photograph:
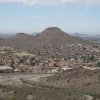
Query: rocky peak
[{"x": 52, "y": 29}]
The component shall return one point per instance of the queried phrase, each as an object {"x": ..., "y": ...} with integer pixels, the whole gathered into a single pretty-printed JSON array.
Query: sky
[{"x": 29, "y": 16}]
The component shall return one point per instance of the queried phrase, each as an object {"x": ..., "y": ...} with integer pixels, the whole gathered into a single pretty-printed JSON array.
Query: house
[
  {"x": 6, "y": 69},
  {"x": 16, "y": 70},
  {"x": 55, "y": 70},
  {"x": 91, "y": 68},
  {"x": 65, "y": 68}
]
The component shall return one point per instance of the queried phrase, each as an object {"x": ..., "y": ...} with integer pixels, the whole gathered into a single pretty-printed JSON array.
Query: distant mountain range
[
  {"x": 80, "y": 35},
  {"x": 93, "y": 38},
  {"x": 51, "y": 38}
]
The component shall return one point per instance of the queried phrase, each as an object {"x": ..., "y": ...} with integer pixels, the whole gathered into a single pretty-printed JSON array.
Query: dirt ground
[{"x": 16, "y": 78}]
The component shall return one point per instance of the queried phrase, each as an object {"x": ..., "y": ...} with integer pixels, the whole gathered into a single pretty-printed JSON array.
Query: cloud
[
  {"x": 38, "y": 18},
  {"x": 50, "y": 2},
  {"x": 88, "y": 1}
]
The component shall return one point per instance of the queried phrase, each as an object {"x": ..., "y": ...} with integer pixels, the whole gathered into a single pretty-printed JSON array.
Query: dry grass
[{"x": 39, "y": 93}]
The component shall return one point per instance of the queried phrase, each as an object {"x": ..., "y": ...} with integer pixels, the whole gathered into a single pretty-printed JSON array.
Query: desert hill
[
  {"x": 51, "y": 38},
  {"x": 19, "y": 41},
  {"x": 54, "y": 36},
  {"x": 80, "y": 78}
]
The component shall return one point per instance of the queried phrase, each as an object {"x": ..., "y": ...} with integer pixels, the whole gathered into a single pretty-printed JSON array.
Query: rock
[{"x": 29, "y": 97}]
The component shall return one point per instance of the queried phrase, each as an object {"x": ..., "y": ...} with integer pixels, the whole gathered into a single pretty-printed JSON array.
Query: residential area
[{"x": 74, "y": 56}]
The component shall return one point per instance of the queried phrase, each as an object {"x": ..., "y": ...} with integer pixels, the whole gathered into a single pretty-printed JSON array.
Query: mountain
[
  {"x": 80, "y": 35},
  {"x": 22, "y": 36},
  {"x": 51, "y": 39},
  {"x": 78, "y": 78},
  {"x": 19, "y": 41},
  {"x": 93, "y": 38},
  {"x": 54, "y": 37}
]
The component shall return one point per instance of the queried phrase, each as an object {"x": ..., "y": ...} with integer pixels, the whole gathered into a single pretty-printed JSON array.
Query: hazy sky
[{"x": 36, "y": 15}]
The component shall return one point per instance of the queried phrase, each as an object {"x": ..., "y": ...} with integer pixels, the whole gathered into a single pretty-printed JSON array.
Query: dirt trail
[
  {"x": 15, "y": 79},
  {"x": 88, "y": 97}
]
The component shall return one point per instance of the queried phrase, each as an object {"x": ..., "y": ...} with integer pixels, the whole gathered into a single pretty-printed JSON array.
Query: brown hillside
[
  {"x": 51, "y": 38},
  {"x": 19, "y": 41},
  {"x": 82, "y": 79},
  {"x": 54, "y": 36}
]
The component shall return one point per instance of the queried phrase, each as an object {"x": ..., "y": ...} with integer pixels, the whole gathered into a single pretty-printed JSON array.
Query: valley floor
[
  {"x": 16, "y": 78},
  {"x": 25, "y": 86}
]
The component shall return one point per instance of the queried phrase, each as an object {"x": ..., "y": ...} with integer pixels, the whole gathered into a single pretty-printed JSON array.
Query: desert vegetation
[{"x": 71, "y": 64}]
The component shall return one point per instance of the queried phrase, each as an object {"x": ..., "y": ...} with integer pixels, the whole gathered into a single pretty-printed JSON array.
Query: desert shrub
[
  {"x": 40, "y": 93},
  {"x": 1, "y": 64},
  {"x": 98, "y": 64}
]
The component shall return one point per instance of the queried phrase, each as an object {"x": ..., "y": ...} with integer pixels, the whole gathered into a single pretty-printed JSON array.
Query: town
[{"x": 74, "y": 56}]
